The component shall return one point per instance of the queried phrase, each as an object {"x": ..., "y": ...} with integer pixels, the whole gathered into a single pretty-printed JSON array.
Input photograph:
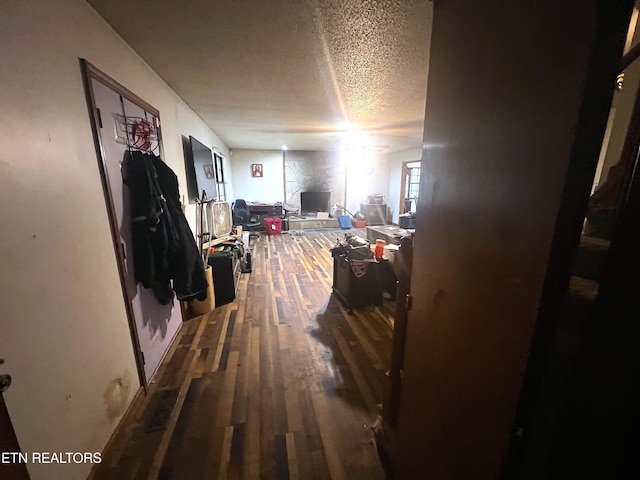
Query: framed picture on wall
[
  {"x": 256, "y": 170},
  {"x": 208, "y": 171}
]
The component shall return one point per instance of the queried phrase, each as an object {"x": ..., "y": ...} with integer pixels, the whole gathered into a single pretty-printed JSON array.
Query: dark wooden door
[
  {"x": 9, "y": 443},
  {"x": 488, "y": 213}
]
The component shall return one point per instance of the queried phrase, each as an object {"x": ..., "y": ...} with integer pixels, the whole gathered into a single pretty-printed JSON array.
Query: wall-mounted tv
[
  {"x": 199, "y": 169},
  {"x": 314, "y": 202}
]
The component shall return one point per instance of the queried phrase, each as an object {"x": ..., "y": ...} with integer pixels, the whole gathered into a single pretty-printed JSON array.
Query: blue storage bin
[{"x": 345, "y": 221}]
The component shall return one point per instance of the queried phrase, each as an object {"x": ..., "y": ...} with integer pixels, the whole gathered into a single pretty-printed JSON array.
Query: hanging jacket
[{"x": 165, "y": 254}]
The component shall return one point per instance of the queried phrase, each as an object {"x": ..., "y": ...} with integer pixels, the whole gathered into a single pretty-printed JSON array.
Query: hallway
[{"x": 282, "y": 383}]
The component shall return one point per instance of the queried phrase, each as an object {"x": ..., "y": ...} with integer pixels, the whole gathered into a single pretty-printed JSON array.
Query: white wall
[
  {"x": 269, "y": 188},
  {"x": 395, "y": 176},
  {"x": 366, "y": 177},
  {"x": 363, "y": 177},
  {"x": 65, "y": 337}
]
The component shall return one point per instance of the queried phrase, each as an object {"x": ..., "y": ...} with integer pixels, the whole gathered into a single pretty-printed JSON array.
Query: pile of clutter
[
  {"x": 352, "y": 247},
  {"x": 346, "y": 218}
]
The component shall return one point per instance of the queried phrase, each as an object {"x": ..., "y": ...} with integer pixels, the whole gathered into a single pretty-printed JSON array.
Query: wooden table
[
  {"x": 265, "y": 210},
  {"x": 389, "y": 233}
]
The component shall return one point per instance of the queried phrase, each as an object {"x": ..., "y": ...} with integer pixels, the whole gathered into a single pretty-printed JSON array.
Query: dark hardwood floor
[{"x": 283, "y": 383}]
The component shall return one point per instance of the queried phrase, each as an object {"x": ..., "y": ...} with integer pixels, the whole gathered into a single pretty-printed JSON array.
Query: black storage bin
[{"x": 353, "y": 290}]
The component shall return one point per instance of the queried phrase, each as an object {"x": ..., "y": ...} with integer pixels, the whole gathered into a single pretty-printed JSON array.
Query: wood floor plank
[
  {"x": 235, "y": 467},
  {"x": 292, "y": 457},
  {"x": 366, "y": 339},
  {"x": 303, "y": 455},
  {"x": 225, "y": 456},
  {"x": 330, "y": 438},
  {"x": 226, "y": 394},
  {"x": 239, "y": 410},
  {"x": 217, "y": 356},
  {"x": 291, "y": 388},
  {"x": 363, "y": 387},
  {"x": 251, "y": 453}
]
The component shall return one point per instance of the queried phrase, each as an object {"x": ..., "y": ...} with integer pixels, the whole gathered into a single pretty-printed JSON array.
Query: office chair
[{"x": 243, "y": 216}]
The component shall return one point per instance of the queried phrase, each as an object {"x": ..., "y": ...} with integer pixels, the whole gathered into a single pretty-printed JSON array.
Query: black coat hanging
[{"x": 166, "y": 256}]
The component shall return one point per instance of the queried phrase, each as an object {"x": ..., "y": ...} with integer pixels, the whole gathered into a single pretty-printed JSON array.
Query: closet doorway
[{"x": 113, "y": 110}]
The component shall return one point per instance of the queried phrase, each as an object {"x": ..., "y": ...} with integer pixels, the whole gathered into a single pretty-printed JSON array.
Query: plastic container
[
  {"x": 274, "y": 225},
  {"x": 358, "y": 223},
  {"x": 345, "y": 221},
  {"x": 380, "y": 248}
]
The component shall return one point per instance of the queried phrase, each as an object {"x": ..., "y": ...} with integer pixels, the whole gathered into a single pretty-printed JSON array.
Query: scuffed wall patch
[{"x": 116, "y": 395}]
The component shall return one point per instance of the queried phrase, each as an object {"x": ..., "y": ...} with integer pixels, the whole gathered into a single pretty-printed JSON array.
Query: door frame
[
  {"x": 403, "y": 186},
  {"x": 403, "y": 183},
  {"x": 90, "y": 72},
  {"x": 9, "y": 443},
  {"x": 604, "y": 66}
]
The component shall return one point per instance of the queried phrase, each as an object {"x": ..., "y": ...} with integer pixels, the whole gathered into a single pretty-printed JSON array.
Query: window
[
  {"x": 409, "y": 186},
  {"x": 412, "y": 186},
  {"x": 218, "y": 163}
]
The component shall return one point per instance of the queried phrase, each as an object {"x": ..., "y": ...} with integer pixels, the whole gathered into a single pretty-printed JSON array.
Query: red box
[
  {"x": 358, "y": 223},
  {"x": 274, "y": 225}
]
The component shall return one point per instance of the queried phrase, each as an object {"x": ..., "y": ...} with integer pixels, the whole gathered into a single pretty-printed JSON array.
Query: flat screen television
[
  {"x": 314, "y": 202},
  {"x": 199, "y": 169}
]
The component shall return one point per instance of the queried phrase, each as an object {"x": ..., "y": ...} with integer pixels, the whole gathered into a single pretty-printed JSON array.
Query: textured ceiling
[{"x": 267, "y": 73}]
